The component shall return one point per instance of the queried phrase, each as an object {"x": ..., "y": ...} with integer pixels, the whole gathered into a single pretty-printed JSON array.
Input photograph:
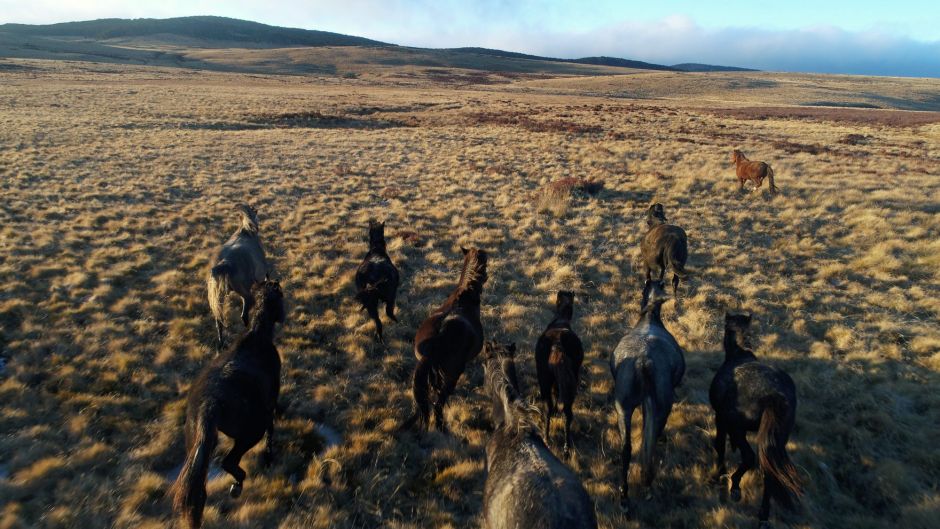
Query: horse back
[
  {"x": 377, "y": 270},
  {"x": 654, "y": 347},
  {"x": 449, "y": 331},
  {"x": 527, "y": 486},
  {"x": 664, "y": 237},
  {"x": 245, "y": 253}
]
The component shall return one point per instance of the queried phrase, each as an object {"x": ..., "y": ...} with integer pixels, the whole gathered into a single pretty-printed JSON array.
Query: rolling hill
[{"x": 188, "y": 41}]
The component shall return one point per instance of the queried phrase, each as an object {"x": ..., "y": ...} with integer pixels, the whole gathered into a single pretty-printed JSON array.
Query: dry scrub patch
[{"x": 110, "y": 212}]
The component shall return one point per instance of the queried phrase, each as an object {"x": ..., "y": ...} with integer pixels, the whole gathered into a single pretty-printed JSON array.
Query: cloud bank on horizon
[{"x": 856, "y": 37}]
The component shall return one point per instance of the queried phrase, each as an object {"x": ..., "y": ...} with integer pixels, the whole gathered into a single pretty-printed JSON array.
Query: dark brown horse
[
  {"x": 750, "y": 396},
  {"x": 754, "y": 171},
  {"x": 664, "y": 246},
  {"x": 237, "y": 395},
  {"x": 447, "y": 340},
  {"x": 377, "y": 278},
  {"x": 558, "y": 357}
]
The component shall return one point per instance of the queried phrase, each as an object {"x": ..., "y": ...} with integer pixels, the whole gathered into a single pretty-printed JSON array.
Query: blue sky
[{"x": 864, "y": 36}]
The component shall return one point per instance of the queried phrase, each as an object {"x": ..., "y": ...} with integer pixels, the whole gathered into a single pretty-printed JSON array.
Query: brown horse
[
  {"x": 447, "y": 340},
  {"x": 753, "y": 171},
  {"x": 664, "y": 246},
  {"x": 558, "y": 357}
]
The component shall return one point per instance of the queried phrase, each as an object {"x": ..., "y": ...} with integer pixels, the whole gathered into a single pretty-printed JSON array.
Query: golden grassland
[{"x": 118, "y": 182}]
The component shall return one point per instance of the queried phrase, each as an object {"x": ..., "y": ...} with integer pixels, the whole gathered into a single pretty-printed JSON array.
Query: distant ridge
[
  {"x": 625, "y": 63},
  {"x": 202, "y": 27},
  {"x": 698, "y": 67}
]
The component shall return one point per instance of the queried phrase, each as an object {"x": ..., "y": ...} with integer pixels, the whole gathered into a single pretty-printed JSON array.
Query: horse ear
[{"x": 464, "y": 250}]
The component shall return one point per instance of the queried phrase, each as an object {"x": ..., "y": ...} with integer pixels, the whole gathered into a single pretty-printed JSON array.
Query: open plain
[{"x": 117, "y": 183}]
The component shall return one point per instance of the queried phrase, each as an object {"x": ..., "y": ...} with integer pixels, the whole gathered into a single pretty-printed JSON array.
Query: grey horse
[
  {"x": 647, "y": 366},
  {"x": 238, "y": 266},
  {"x": 526, "y": 485}
]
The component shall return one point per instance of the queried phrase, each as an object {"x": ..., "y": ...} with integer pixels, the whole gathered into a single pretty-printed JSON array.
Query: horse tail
[
  {"x": 565, "y": 377},
  {"x": 677, "y": 266},
  {"x": 368, "y": 297},
  {"x": 772, "y": 452},
  {"x": 647, "y": 389},
  {"x": 422, "y": 379},
  {"x": 218, "y": 284},
  {"x": 189, "y": 491},
  {"x": 770, "y": 179}
]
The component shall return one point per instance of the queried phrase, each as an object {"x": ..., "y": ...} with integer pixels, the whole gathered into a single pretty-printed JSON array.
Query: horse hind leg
[
  {"x": 390, "y": 308},
  {"x": 626, "y": 450},
  {"x": 675, "y": 285},
  {"x": 373, "y": 310},
  {"x": 739, "y": 440},
  {"x": 569, "y": 415},
  {"x": 219, "y": 327},
  {"x": 720, "y": 444},
  {"x": 447, "y": 388},
  {"x": 231, "y": 465},
  {"x": 247, "y": 303},
  {"x": 270, "y": 448},
  {"x": 763, "y": 515}
]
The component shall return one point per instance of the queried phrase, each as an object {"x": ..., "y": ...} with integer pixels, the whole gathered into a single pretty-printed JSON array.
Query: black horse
[
  {"x": 749, "y": 396},
  {"x": 647, "y": 366},
  {"x": 377, "y": 278},
  {"x": 447, "y": 340},
  {"x": 526, "y": 485},
  {"x": 236, "y": 395},
  {"x": 558, "y": 357}
]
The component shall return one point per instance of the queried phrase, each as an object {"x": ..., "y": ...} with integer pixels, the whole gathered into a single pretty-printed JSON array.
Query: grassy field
[{"x": 117, "y": 183}]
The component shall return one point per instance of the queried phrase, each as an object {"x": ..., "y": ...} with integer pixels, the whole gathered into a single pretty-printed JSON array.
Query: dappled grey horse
[
  {"x": 647, "y": 366},
  {"x": 239, "y": 265},
  {"x": 526, "y": 485}
]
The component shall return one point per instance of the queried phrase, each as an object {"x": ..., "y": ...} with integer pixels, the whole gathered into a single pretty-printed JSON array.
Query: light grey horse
[
  {"x": 647, "y": 366},
  {"x": 526, "y": 485},
  {"x": 239, "y": 265}
]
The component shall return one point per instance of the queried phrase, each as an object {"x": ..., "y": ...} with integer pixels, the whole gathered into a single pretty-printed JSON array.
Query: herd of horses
[{"x": 527, "y": 485}]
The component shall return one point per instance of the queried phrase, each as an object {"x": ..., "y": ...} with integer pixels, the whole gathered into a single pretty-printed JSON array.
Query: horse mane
[
  {"x": 516, "y": 418},
  {"x": 268, "y": 293},
  {"x": 249, "y": 220},
  {"x": 469, "y": 276}
]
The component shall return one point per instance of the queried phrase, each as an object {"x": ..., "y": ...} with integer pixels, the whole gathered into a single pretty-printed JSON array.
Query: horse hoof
[
  {"x": 714, "y": 479},
  {"x": 735, "y": 495},
  {"x": 236, "y": 489}
]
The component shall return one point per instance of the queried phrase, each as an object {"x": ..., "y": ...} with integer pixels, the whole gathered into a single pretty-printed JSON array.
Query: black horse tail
[
  {"x": 772, "y": 452},
  {"x": 368, "y": 296},
  {"x": 648, "y": 390},
  {"x": 189, "y": 491},
  {"x": 670, "y": 260},
  {"x": 564, "y": 374},
  {"x": 422, "y": 379}
]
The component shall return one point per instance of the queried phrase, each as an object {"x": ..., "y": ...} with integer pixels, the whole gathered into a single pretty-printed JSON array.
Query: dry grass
[{"x": 111, "y": 205}]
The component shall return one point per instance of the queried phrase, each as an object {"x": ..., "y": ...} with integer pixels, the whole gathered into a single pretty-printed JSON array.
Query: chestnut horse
[
  {"x": 753, "y": 171},
  {"x": 447, "y": 340}
]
